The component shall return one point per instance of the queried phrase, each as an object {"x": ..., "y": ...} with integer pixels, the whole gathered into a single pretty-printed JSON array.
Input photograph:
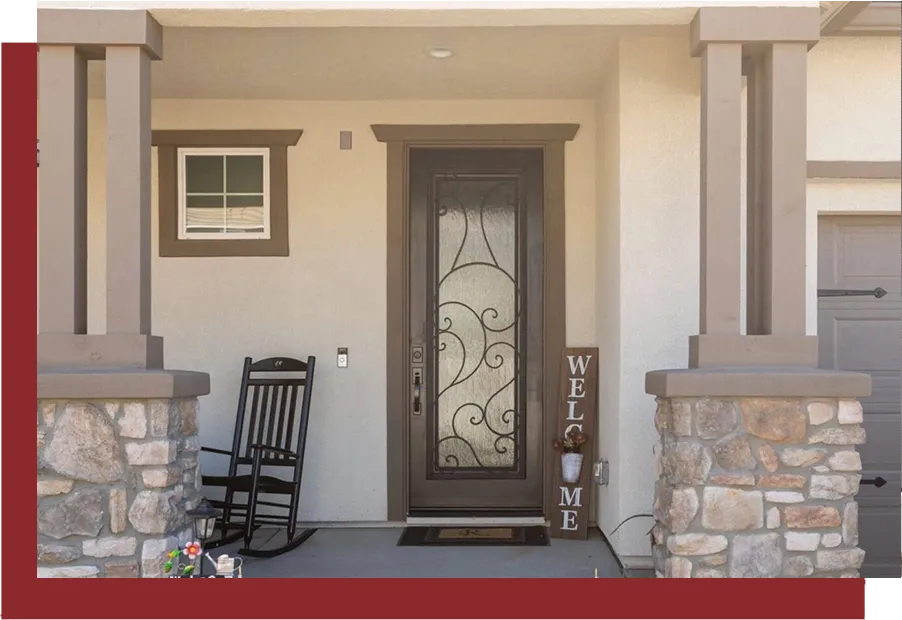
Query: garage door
[{"x": 860, "y": 330}]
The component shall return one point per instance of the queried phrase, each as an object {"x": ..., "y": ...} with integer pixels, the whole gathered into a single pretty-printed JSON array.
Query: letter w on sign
[{"x": 577, "y": 409}]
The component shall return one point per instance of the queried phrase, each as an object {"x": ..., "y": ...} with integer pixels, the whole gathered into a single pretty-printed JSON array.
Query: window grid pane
[
  {"x": 213, "y": 209},
  {"x": 204, "y": 173}
]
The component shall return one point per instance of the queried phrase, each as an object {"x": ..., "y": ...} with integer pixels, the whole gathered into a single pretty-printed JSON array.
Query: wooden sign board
[{"x": 577, "y": 408}]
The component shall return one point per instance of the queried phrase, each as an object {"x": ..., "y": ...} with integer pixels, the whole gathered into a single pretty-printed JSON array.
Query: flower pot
[{"x": 571, "y": 466}]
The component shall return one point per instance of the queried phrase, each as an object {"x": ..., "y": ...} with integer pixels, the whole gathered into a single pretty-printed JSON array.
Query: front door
[{"x": 476, "y": 245}]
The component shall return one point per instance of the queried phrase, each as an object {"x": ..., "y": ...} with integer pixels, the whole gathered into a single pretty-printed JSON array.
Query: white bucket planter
[{"x": 571, "y": 466}]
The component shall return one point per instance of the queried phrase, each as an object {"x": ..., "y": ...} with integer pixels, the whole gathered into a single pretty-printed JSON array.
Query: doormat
[{"x": 516, "y": 536}]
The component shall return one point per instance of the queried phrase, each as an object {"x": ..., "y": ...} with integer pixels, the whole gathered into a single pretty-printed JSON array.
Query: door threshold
[{"x": 477, "y": 521}]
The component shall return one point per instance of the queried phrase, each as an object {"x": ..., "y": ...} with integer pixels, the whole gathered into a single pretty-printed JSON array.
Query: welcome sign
[{"x": 577, "y": 409}]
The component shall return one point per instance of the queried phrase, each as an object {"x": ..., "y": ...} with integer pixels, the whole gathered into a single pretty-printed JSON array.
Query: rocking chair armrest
[
  {"x": 265, "y": 448},
  {"x": 215, "y": 450}
]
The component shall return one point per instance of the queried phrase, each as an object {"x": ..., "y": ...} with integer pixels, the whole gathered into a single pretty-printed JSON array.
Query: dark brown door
[{"x": 476, "y": 336}]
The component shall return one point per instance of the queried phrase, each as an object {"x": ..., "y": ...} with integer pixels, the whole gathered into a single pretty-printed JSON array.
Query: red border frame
[{"x": 24, "y": 596}]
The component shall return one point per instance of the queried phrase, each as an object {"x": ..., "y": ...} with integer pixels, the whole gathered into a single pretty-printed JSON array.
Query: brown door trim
[{"x": 399, "y": 139}]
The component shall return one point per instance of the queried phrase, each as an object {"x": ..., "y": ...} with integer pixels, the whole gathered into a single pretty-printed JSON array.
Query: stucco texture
[
  {"x": 330, "y": 292},
  {"x": 632, "y": 179}
]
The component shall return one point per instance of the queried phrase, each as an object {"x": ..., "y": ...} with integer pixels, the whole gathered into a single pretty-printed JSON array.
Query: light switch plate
[{"x": 342, "y": 357}]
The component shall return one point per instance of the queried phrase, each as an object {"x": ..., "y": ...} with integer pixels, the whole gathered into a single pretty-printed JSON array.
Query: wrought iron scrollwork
[{"x": 476, "y": 314}]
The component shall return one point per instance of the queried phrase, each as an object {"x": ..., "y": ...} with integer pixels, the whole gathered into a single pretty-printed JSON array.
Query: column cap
[
  {"x": 772, "y": 382},
  {"x": 93, "y": 30},
  {"x": 754, "y": 25}
]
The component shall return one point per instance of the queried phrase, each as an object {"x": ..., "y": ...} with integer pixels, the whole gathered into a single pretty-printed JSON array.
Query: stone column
[
  {"x": 63, "y": 211},
  {"x": 757, "y": 487},
  {"x": 116, "y": 433},
  {"x": 115, "y": 478},
  {"x": 757, "y": 467}
]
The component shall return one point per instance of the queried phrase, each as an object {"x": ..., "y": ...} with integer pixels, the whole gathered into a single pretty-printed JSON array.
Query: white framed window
[{"x": 223, "y": 193}]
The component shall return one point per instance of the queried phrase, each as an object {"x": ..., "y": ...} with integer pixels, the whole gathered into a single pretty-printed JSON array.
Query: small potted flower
[
  {"x": 570, "y": 446},
  {"x": 192, "y": 550}
]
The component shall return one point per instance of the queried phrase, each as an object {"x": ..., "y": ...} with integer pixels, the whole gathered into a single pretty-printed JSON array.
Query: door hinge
[
  {"x": 847, "y": 292},
  {"x": 878, "y": 482}
]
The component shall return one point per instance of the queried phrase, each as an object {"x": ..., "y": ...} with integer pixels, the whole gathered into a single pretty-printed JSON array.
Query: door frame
[{"x": 399, "y": 139}]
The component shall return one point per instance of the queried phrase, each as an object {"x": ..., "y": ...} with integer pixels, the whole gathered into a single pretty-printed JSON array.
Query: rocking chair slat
[
  {"x": 280, "y": 425},
  {"x": 264, "y": 411},
  {"x": 274, "y": 449},
  {"x": 241, "y": 511},
  {"x": 289, "y": 427},
  {"x": 262, "y": 382},
  {"x": 269, "y": 462},
  {"x": 269, "y": 520},
  {"x": 253, "y": 424},
  {"x": 273, "y": 435}
]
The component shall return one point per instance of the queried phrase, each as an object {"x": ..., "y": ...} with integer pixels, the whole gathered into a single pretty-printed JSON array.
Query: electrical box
[{"x": 601, "y": 472}]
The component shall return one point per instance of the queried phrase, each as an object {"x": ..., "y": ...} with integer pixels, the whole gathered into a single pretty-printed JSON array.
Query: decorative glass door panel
[
  {"x": 476, "y": 326},
  {"x": 476, "y": 290}
]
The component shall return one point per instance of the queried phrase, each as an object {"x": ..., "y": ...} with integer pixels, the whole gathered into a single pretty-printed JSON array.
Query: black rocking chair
[{"x": 274, "y": 436}]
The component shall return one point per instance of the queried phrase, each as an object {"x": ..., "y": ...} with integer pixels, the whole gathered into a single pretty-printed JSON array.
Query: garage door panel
[
  {"x": 864, "y": 334},
  {"x": 868, "y": 342},
  {"x": 858, "y": 250},
  {"x": 879, "y": 536},
  {"x": 884, "y": 394},
  {"x": 862, "y": 251},
  {"x": 880, "y": 452},
  {"x": 871, "y": 495}
]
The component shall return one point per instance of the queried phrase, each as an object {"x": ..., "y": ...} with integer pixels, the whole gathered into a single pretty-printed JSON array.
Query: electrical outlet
[
  {"x": 342, "y": 357},
  {"x": 601, "y": 472}
]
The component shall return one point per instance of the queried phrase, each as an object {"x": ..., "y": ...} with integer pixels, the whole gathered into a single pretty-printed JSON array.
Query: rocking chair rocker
[{"x": 274, "y": 436}]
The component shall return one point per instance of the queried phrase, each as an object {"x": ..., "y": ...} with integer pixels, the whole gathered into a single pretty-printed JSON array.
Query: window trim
[
  {"x": 167, "y": 143},
  {"x": 184, "y": 152}
]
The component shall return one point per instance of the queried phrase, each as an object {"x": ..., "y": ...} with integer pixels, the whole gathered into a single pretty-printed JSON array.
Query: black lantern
[{"x": 204, "y": 518}]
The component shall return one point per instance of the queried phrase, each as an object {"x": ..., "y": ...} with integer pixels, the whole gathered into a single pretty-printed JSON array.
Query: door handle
[{"x": 417, "y": 389}]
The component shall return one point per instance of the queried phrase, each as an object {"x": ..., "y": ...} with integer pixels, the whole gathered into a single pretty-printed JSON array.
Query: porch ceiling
[{"x": 556, "y": 62}]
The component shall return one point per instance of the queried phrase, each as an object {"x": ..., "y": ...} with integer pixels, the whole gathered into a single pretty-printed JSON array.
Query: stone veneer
[
  {"x": 114, "y": 481},
  {"x": 757, "y": 487}
]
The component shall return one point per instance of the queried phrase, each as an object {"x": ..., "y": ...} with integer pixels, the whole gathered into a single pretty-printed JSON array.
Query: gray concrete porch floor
[{"x": 373, "y": 552}]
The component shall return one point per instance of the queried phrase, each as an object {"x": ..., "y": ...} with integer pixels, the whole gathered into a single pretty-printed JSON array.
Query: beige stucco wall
[
  {"x": 330, "y": 292},
  {"x": 647, "y": 261}
]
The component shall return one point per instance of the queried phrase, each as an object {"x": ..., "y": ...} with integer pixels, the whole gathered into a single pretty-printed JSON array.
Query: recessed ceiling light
[{"x": 440, "y": 52}]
